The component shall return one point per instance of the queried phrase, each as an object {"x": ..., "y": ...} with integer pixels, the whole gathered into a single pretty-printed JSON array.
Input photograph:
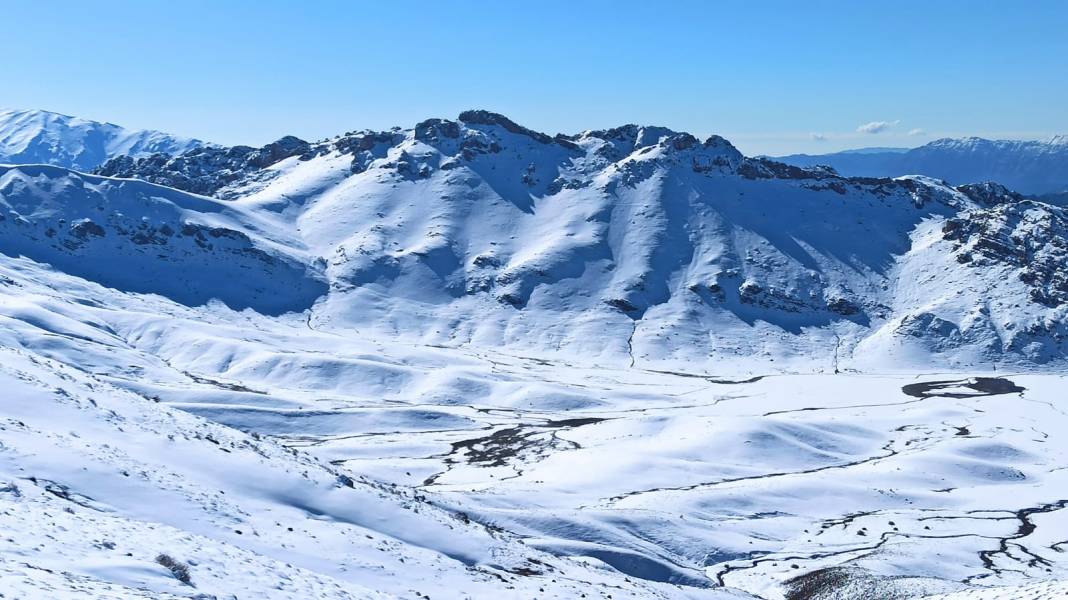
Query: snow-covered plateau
[{"x": 471, "y": 360}]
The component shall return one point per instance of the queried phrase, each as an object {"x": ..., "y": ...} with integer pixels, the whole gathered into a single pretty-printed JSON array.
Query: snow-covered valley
[{"x": 470, "y": 360}]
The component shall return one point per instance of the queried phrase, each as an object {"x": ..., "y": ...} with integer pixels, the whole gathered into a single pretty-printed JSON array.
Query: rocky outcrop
[
  {"x": 989, "y": 193},
  {"x": 1030, "y": 236},
  {"x": 485, "y": 117},
  {"x": 206, "y": 170}
]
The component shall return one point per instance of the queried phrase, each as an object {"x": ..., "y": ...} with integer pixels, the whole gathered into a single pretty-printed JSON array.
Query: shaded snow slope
[
  {"x": 139, "y": 237},
  {"x": 37, "y": 136}
]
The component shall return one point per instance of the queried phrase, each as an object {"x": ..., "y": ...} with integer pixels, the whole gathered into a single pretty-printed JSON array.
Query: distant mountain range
[
  {"x": 1029, "y": 167},
  {"x": 37, "y": 136}
]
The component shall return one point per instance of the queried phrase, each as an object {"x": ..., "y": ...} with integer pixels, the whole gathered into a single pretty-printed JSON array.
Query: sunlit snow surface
[{"x": 514, "y": 477}]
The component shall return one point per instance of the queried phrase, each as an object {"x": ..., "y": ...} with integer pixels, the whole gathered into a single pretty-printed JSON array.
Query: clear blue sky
[{"x": 774, "y": 77}]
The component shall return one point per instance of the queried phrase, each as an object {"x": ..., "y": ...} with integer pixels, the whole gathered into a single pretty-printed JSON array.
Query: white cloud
[
  {"x": 819, "y": 137},
  {"x": 917, "y": 131},
  {"x": 876, "y": 126}
]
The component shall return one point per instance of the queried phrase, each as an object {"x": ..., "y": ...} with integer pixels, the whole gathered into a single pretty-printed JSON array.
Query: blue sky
[{"x": 774, "y": 77}]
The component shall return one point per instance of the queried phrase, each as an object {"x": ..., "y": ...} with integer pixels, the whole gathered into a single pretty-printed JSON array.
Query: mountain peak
[
  {"x": 40, "y": 136},
  {"x": 41, "y": 115},
  {"x": 638, "y": 135},
  {"x": 485, "y": 117}
]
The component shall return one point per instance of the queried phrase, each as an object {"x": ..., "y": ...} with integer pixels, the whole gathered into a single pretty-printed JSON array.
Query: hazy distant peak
[
  {"x": 39, "y": 136},
  {"x": 1027, "y": 166}
]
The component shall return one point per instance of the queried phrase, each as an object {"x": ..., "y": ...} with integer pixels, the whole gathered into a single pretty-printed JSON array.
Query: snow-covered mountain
[
  {"x": 471, "y": 360},
  {"x": 642, "y": 244},
  {"x": 41, "y": 137},
  {"x": 1029, "y": 167}
]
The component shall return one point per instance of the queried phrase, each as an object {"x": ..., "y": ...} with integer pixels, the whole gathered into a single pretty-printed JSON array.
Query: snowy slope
[
  {"x": 140, "y": 237},
  {"x": 37, "y": 136},
  {"x": 1030, "y": 167},
  {"x": 106, "y": 478}
]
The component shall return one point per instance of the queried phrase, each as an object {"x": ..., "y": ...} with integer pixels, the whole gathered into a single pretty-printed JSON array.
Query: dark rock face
[
  {"x": 763, "y": 168},
  {"x": 473, "y": 145},
  {"x": 205, "y": 170},
  {"x": 364, "y": 146},
  {"x": 559, "y": 184},
  {"x": 433, "y": 130},
  {"x": 1028, "y": 235},
  {"x": 989, "y": 193},
  {"x": 621, "y": 304},
  {"x": 280, "y": 150},
  {"x": 683, "y": 141},
  {"x": 410, "y": 167},
  {"x": 362, "y": 141},
  {"x": 485, "y": 117},
  {"x": 84, "y": 228},
  {"x": 842, "y": 306},
  {"x": 751, "y": 292},
  {"x": 228, "y": 172},
  {"x": 929, "y": 326},
  {"x": 720, "y": 143},
  {"x": 630, "y": 136}
]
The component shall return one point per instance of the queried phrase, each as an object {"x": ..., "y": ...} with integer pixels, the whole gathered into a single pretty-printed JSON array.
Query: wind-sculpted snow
[
  {"x": 37, "y": 136},
  {"x": 110, "y": 482}
]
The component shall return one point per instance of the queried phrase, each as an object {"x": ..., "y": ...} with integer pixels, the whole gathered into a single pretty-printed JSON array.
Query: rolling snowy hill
[
  {"x": 110, "y": 482},
  {"x": 471, "y": 360},
  {"x": 41, "y": 137},
  {"x": 1029, "y": 167}
]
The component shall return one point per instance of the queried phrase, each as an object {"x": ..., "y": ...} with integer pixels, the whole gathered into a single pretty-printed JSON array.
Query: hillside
[{"x": 144, "y": 238}]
